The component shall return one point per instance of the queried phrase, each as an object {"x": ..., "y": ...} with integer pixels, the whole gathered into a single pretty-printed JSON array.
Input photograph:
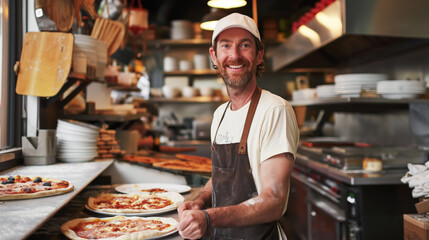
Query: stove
[{"x": 351, "y": 158}]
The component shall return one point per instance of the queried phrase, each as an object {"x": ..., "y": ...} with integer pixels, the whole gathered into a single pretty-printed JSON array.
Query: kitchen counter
[
  {"x": 20, "y": 218},
  {"x": 353, "y": 177},
  {"x": 76, "y": 209}
]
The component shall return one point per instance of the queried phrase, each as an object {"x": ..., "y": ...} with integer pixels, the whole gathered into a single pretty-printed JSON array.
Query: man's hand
[
  {"x": 192, "y": 223},
  {"x": 188, "y": 205}
]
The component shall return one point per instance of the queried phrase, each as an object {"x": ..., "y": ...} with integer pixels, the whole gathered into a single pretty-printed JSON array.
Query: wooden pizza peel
[{"x": 45, "y": 63}]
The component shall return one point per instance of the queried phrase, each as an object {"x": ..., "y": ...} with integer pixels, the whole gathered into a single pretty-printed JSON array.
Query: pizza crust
[
  {"x": 176, "y": 198},
  {"x": 43, "y": 193},
  {"x": 66, "y": 228}
]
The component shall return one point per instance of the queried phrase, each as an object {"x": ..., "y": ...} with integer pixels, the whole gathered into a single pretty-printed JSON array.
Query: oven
[
  {"x": 321, "y": 215},
  {"x": 324, "y": 208}
]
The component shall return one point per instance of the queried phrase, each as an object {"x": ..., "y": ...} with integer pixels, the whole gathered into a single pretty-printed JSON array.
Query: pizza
[
  {"x": 184, "y": 166},
  {"x": 135, "y": 202},
  {"x": 22, "y": 187},
  {"x": 141, "y": 159},
  {"x": 118, "y": 227},
  {"x": 193, "y": 158},
  {"x": 153, "y": 190}
]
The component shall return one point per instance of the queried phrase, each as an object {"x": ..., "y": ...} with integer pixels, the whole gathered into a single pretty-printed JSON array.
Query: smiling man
[{"x": 254, "y": 136}]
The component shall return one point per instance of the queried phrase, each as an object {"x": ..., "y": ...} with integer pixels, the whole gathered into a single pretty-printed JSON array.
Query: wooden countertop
[{"x": 20, "y": 218}]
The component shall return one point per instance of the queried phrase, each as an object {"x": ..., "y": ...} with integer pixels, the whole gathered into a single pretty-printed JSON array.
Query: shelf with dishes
[
  {"x": 158, "y": 43},
  {"x": 197, "y": 99},
  {"x": 192, "y": 73},
  {"x": 363, "y": 92},
  {"x": 105, "y": 117}
]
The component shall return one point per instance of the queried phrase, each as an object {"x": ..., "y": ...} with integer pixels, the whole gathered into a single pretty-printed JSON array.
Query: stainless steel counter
[
  {"x": 20, "y": 218},
  {"x": 76, "y": 209},
  {"x": 354, "y": 177}
]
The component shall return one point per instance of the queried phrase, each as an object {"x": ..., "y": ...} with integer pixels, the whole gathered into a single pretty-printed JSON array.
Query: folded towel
[{"x": 416, "y": 168}]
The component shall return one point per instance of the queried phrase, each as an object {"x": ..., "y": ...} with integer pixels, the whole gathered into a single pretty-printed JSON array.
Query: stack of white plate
[
  {"x": 326, "y": 91},
  {"x": 76, "y": 141},
  {"x": 399, "y": 89},
  {"x": 351, "y": 85},
  {"x": 304, "y": 94}
]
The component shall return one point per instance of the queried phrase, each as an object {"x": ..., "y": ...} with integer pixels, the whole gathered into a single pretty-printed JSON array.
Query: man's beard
[{"x": 233, "y": 80}]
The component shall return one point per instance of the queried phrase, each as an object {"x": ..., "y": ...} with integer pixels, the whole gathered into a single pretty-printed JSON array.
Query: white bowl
[
  {"x": 170, "y": 92},
  {"x": 206, "y": 91},
  {"x": 188, "y": 91}
]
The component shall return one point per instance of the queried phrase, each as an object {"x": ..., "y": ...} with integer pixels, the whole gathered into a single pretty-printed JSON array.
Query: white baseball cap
[{"x": 236, "y": 20}]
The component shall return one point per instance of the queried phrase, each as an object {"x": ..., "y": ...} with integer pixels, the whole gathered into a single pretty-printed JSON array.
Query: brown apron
[{"x": 233, "y": 183}]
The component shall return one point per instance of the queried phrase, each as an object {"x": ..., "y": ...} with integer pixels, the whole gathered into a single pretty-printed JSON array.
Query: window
[
  {"x": 11, "y": 43},
  {"x": 3, "y": 73}
]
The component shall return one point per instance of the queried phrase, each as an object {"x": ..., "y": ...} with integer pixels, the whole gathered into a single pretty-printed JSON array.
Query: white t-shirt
[{"x": 274, "y": 130}]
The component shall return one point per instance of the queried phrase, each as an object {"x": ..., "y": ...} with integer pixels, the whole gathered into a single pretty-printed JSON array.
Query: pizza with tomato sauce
[
  {"x": 195, "y": 159},
  {"x": 119, "y": 227},
  {"x": 22, "y": 187},
  {"x": 184, "y": 166},
  {"x": 135, "y": 203}
]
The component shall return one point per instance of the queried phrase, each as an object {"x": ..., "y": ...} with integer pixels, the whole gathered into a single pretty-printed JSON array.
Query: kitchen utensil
[
  {"x": 45, "y": 63},
  {"x": 43, "y": 21},
  {"x": 109, "y": 31},
  {"x": 138, "y": 18},
  {"x": 61, "y": 12},
  {"x": 40, "y": 150}
]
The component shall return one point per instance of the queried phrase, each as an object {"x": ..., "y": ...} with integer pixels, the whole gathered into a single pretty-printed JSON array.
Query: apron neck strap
[{"x": 242, "y": 149}]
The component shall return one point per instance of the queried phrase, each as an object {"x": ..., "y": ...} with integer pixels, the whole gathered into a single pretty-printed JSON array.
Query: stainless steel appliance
[
  {"x": 347, "y": 29},
  {"x": 322, "y": 206},
  {"x": 351, "y": 158}
]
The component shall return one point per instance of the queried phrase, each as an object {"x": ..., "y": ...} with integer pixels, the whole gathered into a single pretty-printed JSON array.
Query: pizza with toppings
[
  {"x": 141, "y": 159},
  {"x": 22, "y": 187},
  {"x": 119, "y": 227},
  {"x": 184, "y": 166},
  {"x": 135, "y": 203},
  {"x": 153, "y": 190},
  {"x": 193, "y": 158}
]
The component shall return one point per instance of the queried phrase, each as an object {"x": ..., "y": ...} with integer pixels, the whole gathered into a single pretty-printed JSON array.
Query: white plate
[
  {"x": 77, "y": 126},
  {"x": 133, "y": 188},
  {"x": 129, "y": 214},
  {"x": 165, "y": 235}
]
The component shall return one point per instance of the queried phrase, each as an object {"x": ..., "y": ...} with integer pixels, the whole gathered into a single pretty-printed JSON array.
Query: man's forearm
[
  {"x": 204, "y": 198},
  {"x": 257, "y": 210}
]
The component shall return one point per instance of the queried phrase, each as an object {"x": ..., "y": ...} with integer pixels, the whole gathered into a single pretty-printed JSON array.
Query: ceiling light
[
  {"x": 227, "y": 4},
  {"x": 209, "y": 20}
]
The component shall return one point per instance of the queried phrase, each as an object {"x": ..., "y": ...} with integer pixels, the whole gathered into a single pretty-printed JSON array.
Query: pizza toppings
[
  {"x": 19, "y": 187},
  {"x": 118, "y": 227},
  {"x": 135, "y": 203},
  {"x": 108, "y": 229},
  {"x": 154, "y": 190}
]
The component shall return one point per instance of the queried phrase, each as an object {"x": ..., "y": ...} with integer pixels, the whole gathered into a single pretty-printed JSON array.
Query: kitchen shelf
[
  {"x": 120, "y": 87},
  {"x": 159, "y": 43},
  {"x": 81, "y": 79},
  {"x": 354, "y": 105},
  {"x": 105, "y": 117},
  {"x": 200, "y": 99},
  {"x": 357, "y": 104},
  {"x": 192, "y": 73}
]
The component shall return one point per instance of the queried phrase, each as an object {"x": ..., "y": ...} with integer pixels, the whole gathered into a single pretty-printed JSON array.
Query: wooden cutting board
[{"x": 45, "y": 63}]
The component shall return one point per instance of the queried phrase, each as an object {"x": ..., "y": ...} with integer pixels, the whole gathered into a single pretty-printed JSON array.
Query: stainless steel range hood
[{"x": 354, "y": 30}]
